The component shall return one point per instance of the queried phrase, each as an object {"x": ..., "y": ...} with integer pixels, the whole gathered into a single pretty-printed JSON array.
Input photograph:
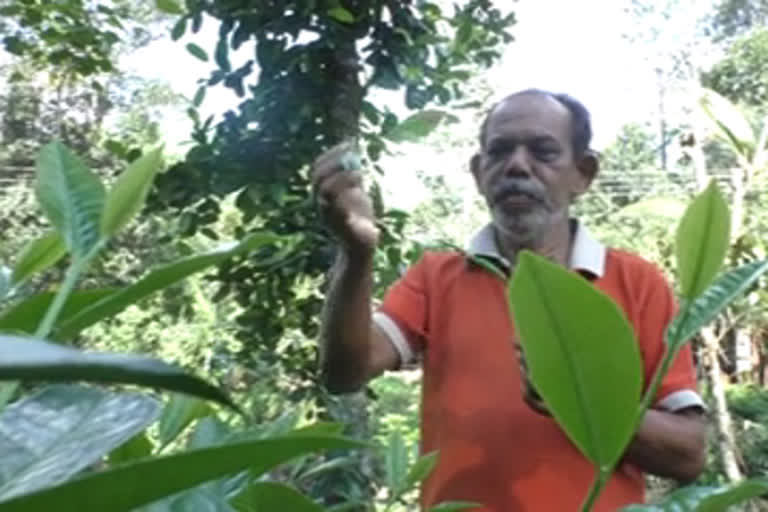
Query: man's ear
[{"x": 588, "y": 167}]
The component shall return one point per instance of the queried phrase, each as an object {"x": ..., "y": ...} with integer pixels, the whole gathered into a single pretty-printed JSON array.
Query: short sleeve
[
  {"x": 403, "y": 313},
  {"x": 678, "y": 389}
]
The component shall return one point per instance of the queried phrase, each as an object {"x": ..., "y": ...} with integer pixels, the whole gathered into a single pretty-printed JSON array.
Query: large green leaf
[
  {"x": 71, "y": 196},
  {"x": 25, "y": 316},
  {"x": 702, "y": 240},
  {"x": 706, "y": 499},
  {"x": 129, "y": 193},
  {"x": 709, "y": 304},
  {"x": 37, "y": 256},
  {"x": 179, "y": 412},
  {"x": 126, "y": 487},
  {"x": 213, "y": 495},
  {"x": 575, "y": 339},
  {"x": 419, "y": 125},
  {"x": 32, "y": 359},
  {"x": 156, "y": 280},
  {"x": 51, "y": 436},
  {"x": 272, "y": 496}
]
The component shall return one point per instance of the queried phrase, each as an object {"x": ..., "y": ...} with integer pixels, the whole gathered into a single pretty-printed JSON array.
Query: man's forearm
[
  {"x": 346, "y": 327},
  {"x": 670, "y": 445}
]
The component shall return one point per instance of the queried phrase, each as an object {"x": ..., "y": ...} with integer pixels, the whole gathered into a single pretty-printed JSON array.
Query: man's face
[{"x": 527, "y": 171}]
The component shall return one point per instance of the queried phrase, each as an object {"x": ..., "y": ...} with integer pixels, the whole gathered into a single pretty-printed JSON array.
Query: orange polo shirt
[{"x": 493, "y": 448}]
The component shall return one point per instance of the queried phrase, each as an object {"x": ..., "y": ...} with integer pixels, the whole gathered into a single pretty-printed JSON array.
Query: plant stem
[
  {"x": 70, "y": 279},
  {"x": 601, "y": 479}
]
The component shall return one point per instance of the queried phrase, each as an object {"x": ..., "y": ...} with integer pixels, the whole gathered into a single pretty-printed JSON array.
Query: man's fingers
[
  {"x": 332, "y": 186},
  {"x": 334, "y": 160}
]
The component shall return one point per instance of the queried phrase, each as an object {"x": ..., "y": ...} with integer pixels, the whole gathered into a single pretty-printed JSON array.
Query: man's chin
[{"x": 521, "y": 229}]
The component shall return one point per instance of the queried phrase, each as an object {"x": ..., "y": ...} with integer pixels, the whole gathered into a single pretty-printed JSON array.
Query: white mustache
[{"x": 519, "y": 187}]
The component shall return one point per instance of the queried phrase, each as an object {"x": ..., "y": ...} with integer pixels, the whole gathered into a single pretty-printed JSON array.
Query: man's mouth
[{"x": 517, "y": 200}]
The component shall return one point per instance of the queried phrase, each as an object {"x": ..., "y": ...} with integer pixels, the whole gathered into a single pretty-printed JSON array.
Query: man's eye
[
  {"x": 496, "y": 152},
  {"x": 546, "y": 154}
]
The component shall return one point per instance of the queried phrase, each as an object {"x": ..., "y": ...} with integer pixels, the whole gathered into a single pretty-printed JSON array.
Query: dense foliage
[{"x": 308, "y": 74}]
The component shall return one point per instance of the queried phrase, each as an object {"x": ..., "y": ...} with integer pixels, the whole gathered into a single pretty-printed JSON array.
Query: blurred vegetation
[{"x": 251, "y": 325}]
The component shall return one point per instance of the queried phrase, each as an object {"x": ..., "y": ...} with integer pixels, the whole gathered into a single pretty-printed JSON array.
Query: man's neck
[{"x": 554, "y": 245}]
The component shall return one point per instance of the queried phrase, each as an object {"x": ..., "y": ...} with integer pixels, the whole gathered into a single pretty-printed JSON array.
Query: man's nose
[{"x": 518, "y": 163}]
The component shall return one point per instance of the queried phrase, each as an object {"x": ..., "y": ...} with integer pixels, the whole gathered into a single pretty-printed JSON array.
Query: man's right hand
[{"x": 344, "y": 204}]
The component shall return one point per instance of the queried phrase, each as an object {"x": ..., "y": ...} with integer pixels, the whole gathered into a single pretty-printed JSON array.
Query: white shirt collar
[{"x": 587, "y": 253}]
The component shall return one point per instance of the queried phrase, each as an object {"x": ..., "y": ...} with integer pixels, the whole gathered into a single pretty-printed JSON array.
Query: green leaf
[
  {"x": 180, "y": 411},
  {"x": 571, "y": 356},
  {"x": 271, "y": 496},
  {"x": 129, "y": 486},
  {"x": 156, "y": 280},
  {"x": 129, "y": 192},
  {"x": 136, "y": 448},
  {"x": 729, "y": 122},
  {"x": 706, "y": 499},
  {"x": 198, "y": 52},
  {"x": 25, "y": 316},
  {"x": 396, "y": 463},
  {"x": 71, "y": 196},
  {"x": 341, "y": 15},
  {"x": 420, "y": 470},
  {"x": 419, "y": 125},
  {"x": 53, "y": 435},
  {"x": 702, "y": 240},
  {"x": 454, "y": 506},
  {"x": 221, "y": 55},
  {"x": 199, "y": 97},
  {"x": 31, "y": 359},
  {"x": 707, "y": 306},
  {"x": 37, "y": 256},
  {"x": 178, "y": 29},
  {"x": 169, "y": 7}
]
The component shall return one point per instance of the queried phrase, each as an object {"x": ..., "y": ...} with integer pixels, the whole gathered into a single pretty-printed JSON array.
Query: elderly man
[{"x": 495, "y": 447}]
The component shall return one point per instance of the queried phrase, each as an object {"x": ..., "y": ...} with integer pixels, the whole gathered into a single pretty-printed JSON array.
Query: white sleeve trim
[
  {"x": 681, "y": 400},
  {"x": 395, "y": 335}
]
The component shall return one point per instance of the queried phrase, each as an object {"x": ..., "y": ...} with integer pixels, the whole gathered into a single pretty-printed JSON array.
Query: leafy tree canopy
[
  {"x": 310, "y": 85},
  {"x": 742, "y": 75}
]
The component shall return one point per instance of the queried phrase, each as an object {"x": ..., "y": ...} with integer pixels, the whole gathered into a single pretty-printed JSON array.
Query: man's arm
[
  {"x": 353, "y": 349},
  {"x": 670, "y": 444}
]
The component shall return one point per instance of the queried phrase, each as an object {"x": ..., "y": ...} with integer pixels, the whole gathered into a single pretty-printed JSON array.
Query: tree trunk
[{"x": 726, "y": 440}]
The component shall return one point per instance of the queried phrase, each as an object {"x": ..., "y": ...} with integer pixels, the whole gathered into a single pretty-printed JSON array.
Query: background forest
[{"x": 243, "y": 95}]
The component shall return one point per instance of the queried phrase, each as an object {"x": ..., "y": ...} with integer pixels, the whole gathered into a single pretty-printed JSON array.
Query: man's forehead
[{"x": 531, "y": 111}]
